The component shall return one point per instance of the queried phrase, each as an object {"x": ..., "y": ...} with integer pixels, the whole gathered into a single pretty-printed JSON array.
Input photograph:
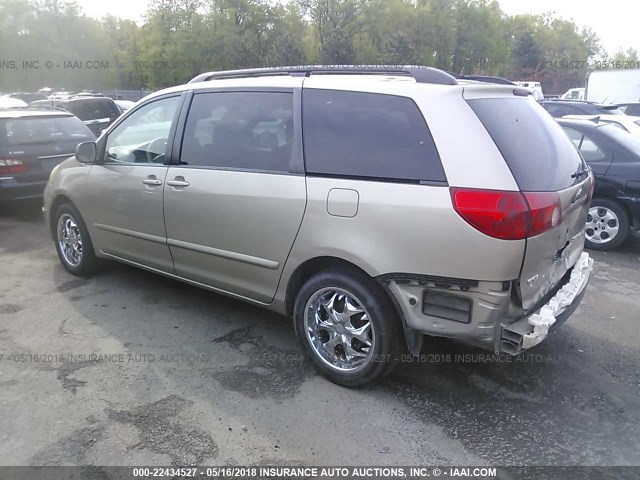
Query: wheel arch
[
  {"x": 312, "y": 266},
  {"x": 60, "y": 199}
]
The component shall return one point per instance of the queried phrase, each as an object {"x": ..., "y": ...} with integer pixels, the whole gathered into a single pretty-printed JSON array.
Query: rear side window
[
  {"x": 92, "y": 109},
  {"x": 367, "y": 135},
  {"x": 541, "y": 157},
  {"x": 42, "y": 130},
  {"x": 240, "y": 130},
  {"x": 587, "y": 147}
]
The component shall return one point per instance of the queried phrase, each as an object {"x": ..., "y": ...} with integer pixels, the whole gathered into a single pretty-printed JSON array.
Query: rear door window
[
  {"x": 536, "y": 149},
  {"x": 366, "y": 135},
  {"x": 587, "y": 147}
]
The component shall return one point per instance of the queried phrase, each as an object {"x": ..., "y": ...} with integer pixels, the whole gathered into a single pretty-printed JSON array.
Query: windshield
[
  {"x": 34, "y": 130},
  {"x": 624, "y": 138}
]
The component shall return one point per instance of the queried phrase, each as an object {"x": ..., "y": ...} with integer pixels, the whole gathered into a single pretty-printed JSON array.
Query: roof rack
[
  {"x": 483, "y": 78},
  {"x": 419, "y": 73}
]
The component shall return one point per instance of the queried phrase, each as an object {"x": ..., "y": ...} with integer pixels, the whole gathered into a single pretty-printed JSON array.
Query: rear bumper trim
[{"x": 530, "y": 331}]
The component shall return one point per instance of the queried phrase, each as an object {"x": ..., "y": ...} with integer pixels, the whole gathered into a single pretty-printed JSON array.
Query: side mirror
[{"x": 87, "y": 152}]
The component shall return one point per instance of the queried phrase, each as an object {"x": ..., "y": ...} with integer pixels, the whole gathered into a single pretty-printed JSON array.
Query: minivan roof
[{"x": 340, "y": 80}]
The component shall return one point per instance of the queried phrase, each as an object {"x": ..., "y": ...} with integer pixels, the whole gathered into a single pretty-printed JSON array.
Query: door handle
[
  {"x": 152, "y": 180},
  {"x": 178, "y": 182}
]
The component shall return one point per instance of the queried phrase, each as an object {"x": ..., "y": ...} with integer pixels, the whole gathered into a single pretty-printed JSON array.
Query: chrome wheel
[
  {"x": 69, "y": 240},
  {"x": 602, "y": 225},
  {"x": 339, "y": 329}
]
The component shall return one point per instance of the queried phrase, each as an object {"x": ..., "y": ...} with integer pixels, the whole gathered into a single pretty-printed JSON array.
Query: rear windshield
[
  {"x": 33, "y": 130},
  {"x": 621, "y": 136},
  {"x": 538, "y": 152},
  {"x": 92, "y": 109}
]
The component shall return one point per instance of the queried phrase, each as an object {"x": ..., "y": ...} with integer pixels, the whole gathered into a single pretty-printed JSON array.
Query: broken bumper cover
[{"x": 533, "y": 329}]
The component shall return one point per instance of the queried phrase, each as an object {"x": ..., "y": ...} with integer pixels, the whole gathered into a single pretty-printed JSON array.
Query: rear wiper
[{"x": 580, "y": 173}]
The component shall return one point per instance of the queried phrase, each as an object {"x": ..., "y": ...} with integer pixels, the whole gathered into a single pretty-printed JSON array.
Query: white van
[
  {"x": 573, "y": 94},
  {"x": 535, "y": 87}
]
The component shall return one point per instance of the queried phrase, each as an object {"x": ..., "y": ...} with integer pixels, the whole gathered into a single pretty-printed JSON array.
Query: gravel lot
[{"x": 186, "y": 376}]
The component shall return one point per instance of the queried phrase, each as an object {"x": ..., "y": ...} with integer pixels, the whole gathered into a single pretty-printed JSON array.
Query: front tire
[
  {"x": 73, "y": 243},
  {"x": 607, "y": 225},
  {"x": 348, "y": 327}
]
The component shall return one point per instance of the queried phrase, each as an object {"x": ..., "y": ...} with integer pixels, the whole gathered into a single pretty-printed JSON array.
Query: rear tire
[
  {"x": 73, "y": 243},
  {"x": 348, "y": 327},
  {"x": 607, "y": 225}
]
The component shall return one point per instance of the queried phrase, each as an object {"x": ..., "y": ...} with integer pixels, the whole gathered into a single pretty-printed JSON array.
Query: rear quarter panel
[
  {"x": 400, "y": 228},
  {"x": 411, "y": 228}
]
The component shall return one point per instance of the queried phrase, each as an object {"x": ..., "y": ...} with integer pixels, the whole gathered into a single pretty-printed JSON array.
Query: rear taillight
[
  {"x": 12, "y": 166},
  {"x": 546, "y": 211},
  {"x": 508, "y": 215}
]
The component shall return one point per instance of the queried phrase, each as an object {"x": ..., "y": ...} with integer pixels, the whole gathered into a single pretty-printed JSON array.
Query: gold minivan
[{"x": 373, "y": 205}]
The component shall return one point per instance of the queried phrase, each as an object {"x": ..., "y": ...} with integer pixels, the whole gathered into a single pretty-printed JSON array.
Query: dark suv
[
  {"x": 97, "y": 113},
  {"x": 560, "y": 108},
  {"x": 32, "y": 143}
]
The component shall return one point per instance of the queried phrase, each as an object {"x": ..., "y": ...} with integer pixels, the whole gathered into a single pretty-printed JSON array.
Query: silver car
[{"x": 373, "y": 206}]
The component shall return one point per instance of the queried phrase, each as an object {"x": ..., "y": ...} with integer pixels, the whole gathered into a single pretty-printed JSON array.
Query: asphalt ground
[{"x": 184, "y": 376}]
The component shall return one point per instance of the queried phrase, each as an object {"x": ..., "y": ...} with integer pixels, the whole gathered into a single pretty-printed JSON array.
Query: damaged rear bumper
[
  {"x": 533, "y": 329},
  {"x": 481, "y": 313}
]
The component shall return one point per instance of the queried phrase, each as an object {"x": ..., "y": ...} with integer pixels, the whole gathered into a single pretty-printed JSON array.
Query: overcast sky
[{"x": 615, "y": 21}]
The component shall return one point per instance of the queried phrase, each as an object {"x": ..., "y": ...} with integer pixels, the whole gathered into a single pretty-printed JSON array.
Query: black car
[
  {"x": 560, "y": 108},
  {"x": 32, "y": 143},
  {"x": 97, "y": 113},
  {"x": 614, "y": 156}
]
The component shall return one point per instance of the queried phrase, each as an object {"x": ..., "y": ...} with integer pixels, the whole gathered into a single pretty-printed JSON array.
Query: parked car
[
  {"x": 88, "y": 93},
  {"x": 628, "y": 123},
  {"x": 44, "y": 103},
  {"x": 97, "y": 113},
  {"x": 124, "y": 105},
  {"x": 9, "y": 102},
  {"x": 614, "y": 156},
  {"x": 560, "y": 108},
  {"x": 385, "y": 229},
  {"x": 26, "y": 97},
  {"x": 573, "y": 94},
  {"x": 60, "y": 95},
  {"x": 32, "y": 143}
]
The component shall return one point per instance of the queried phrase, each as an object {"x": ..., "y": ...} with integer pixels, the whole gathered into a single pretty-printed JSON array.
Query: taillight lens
[
  {"x": 12, "y": 166},
  {"x": 546, "y": 211},
  {"x": 508, "y": 215}
]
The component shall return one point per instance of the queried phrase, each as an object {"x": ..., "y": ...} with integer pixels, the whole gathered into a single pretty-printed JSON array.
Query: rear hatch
[
  {"x": 31, "y": 146},
  {"x": 96, "y": 113},
  {"x": 555, "y": 183}
]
